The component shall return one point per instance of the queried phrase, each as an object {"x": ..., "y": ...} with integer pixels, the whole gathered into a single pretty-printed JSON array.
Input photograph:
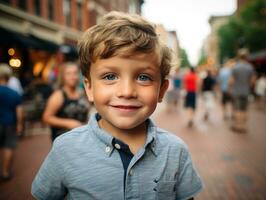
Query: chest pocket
[{"x": 166, "y": 190}]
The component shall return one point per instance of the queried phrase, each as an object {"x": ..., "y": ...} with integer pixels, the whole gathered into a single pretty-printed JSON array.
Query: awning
[
  {"x": 11, "y": 38},
  {"x": 69, "y": 51}
]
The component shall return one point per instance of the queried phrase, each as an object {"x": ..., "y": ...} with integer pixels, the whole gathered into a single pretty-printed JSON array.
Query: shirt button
[
  {"x": 130, "y": 172},
  {"x": 117, "y": 146},
  {"x": 107, "y": 149}
]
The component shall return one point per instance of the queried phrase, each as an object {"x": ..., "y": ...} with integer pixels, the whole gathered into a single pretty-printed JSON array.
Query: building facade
[
  {"x": 170, "y": 38},
  {"x": 40, "y": 33},
  {"x": 212, "y": 48}
]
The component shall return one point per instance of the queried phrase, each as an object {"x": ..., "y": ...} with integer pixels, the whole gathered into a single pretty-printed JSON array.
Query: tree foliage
[
  {"x": 184, "y": 61},
  {"x": 203, "y": 58},
  {"x": 245, "y": 29}
]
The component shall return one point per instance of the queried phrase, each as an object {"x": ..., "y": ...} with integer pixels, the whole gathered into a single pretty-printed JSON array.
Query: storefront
[{"x": 31, "y": 57}]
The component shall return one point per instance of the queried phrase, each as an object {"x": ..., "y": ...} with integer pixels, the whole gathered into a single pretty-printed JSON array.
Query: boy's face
[{"x": 125, "y": 91}]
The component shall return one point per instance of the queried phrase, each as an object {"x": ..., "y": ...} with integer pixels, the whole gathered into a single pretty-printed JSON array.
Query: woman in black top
[{"x": 67, "y": 107}]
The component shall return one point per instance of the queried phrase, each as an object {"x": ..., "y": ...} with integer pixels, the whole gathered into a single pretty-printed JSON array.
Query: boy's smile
[{"x": 125, "y": 90}]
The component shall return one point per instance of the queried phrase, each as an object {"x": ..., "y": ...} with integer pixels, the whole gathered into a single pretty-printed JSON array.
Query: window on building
[
  {"x": 66, "y": 9},
  {"x": 22, "y": 4},
  {"x": 79, "y": 16},
  {"x": 132, "y": 7},
  {"x": 37, "y": 7},
  {"x": 51, "y": 9},
  {"x": 6, "y": 2}
]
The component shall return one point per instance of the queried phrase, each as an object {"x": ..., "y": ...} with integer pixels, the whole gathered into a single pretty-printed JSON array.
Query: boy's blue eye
[
  {"x": 144, "y": 77},
  {"x": 110, "y": 77}
]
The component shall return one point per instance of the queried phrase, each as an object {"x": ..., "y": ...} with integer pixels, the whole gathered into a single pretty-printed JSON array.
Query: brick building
[{"x": 36, "y": 34}]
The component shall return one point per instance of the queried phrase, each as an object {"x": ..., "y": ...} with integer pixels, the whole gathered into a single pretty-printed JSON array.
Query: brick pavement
[
  {"x": 30, "y": 153},
  {"x": 233, "y": 166}
]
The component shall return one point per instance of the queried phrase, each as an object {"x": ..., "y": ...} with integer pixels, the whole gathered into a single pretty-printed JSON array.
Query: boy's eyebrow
[{"x": 146, "y": 67}]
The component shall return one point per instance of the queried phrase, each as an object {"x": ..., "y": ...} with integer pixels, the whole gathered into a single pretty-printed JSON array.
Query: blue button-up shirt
[{"x": 83, "y": 164}]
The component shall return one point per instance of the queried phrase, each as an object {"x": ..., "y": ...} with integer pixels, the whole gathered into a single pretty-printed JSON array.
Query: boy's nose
[{"x": 127, "y": 89}]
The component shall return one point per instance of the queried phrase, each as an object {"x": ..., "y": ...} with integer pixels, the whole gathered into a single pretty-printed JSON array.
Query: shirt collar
[
  {"x": 106, "y": 139},
  {"x": 151, "y": 141}
]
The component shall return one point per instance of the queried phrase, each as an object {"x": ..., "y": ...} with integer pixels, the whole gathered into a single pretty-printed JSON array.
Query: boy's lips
[{"x": 126, "y": 107}]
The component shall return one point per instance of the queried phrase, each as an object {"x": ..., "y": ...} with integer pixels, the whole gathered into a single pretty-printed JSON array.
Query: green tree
[
  {"x": 253, "y": 19},
  {"x": 184, "y": 58},
  {"x": 246, "y": 29},
  {"x": 203, "y": 58},
  {"x": 230, "y": 38}
]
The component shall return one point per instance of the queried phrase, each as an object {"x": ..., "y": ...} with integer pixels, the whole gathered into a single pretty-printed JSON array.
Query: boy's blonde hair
[{"x": 124, "y": 35}]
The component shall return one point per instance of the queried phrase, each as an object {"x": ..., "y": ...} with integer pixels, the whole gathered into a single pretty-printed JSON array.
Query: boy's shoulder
[
  {"x": 166, "y": 138},
  {"x": 76, "y": 137}
]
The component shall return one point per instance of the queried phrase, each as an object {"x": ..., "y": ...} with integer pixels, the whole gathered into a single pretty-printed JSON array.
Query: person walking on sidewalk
[
  {"x": 207, "y": 88},
  {"x": 191, "y": 84},
  {"x": 11, "y": 117},
  {"x": 243, "y": 77},
  {"x": 260, "y": 91},
  {"x": 67, "y": 107},
  {"x": 173, "y": 93},
  {"x": 114, "y": 156},
  {"x": 223, "y": 81}
]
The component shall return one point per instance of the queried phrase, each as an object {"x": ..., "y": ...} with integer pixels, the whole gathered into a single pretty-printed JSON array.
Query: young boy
[{"x": 120, "y": 154}]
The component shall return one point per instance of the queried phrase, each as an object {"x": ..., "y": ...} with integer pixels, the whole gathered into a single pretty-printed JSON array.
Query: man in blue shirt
[
  {"x": 121, "y": 154},
  {"x": 10, "y": 120},
  {"x": 223, "y": 80}
]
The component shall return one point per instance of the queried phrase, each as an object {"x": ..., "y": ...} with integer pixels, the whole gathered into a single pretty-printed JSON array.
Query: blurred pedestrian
[
  {"x": 67, "y": 107},
  {"x": 15, "y": 84},
  {"x": 10, "y": 121},
  {"x": 207, "y": 88},
  {"x": 260, "y": 91},
  {"x": 191, "y": 84},
  {"x": 242, "y": 79},
  {"x": 173, "y": 93},
  {"x": 223, "y": 82}
]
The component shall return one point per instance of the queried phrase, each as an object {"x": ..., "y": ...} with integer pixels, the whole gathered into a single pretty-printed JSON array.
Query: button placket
[
  {"x": 117, "y": 146},
  {"x": 107, "y": 149}
]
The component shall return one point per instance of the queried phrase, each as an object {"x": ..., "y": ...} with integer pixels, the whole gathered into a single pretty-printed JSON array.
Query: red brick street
[{"x": 232, "y": 165}]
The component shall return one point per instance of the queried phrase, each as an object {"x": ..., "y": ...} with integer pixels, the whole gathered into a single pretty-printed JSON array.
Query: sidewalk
[{"x": 233, "y": 166}]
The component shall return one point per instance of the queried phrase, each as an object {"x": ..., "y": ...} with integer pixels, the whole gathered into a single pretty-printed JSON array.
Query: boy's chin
[{"x": 126, "y": 126}]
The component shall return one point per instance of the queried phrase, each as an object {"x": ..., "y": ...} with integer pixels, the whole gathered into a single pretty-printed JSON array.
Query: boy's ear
[
  {"x": 88, "y": 89},
  {"x": 163, "y": 89}
]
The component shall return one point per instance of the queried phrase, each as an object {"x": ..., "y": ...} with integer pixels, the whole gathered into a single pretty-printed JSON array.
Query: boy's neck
[{"x": 134, "y": 138}]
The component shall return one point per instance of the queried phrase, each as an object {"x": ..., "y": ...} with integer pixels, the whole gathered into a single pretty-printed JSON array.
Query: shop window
[
  {"x": 79, "y": 16},
  {"x": 66, "y": 9},
  {"x": 6, "y": 1},
  {"x": 37, "y": 7},
  {"x": 51, "y": 10},
  {"x": 22, "y": 4}
]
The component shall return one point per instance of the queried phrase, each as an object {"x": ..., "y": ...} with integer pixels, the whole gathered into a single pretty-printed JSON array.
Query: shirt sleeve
[
  {"x": 18, "y": 99},
  {"x": 48, "y": 183},
  {"x": 188, "y": 182}
]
